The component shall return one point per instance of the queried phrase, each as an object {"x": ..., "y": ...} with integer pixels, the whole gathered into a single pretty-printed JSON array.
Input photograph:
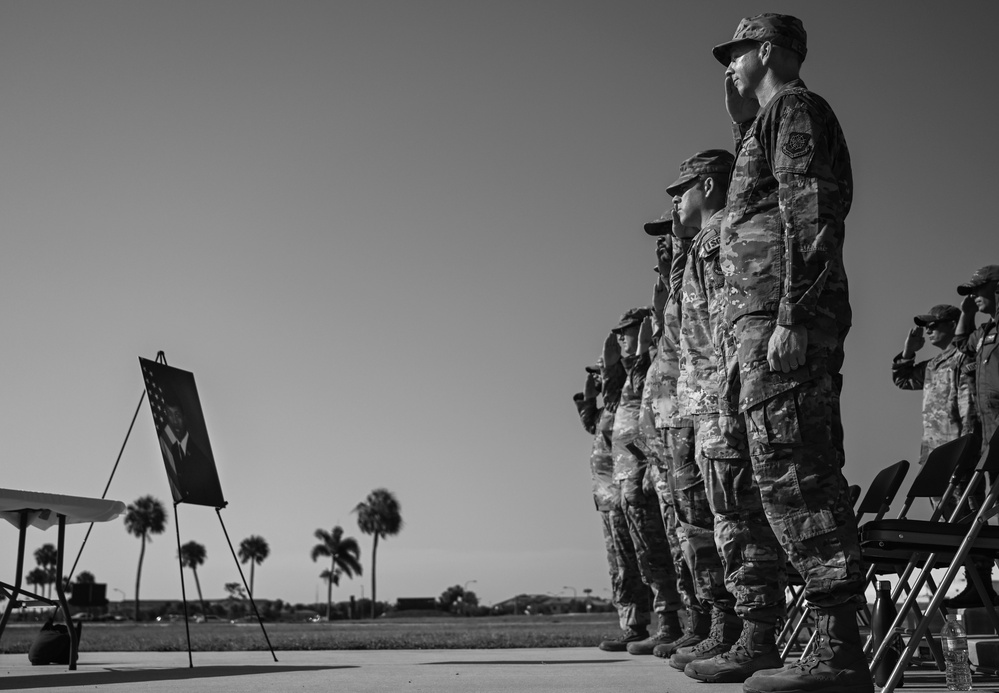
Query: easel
[{"x": 161, "y": 358}]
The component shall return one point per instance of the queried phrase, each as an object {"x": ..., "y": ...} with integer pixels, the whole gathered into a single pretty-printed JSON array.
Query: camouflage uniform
[
  {"x": 638, "y": 500},
  {"x": 599, "y": 421},
  {"x": 781, "y": 252},
  {"x": 693, "y": 512},
  {"x": 754, "y": 562},
  {"x": 948, "y": 385},
  {"x": 981, "y": 346},
  {"x": 631, "y": 596}
]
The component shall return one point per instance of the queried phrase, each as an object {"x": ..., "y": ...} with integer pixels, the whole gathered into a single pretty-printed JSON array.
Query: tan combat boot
[
  {"x": 755, "y": 650},
  {"x": 725, "y": 629},
  {"x": 697, "y": 628},
  {"x": 669, "y": 630},
  {"x": 835, "y": 665}
]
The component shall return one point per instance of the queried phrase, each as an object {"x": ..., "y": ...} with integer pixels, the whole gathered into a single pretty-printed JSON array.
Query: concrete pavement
[{"x": 569, "y": 670}]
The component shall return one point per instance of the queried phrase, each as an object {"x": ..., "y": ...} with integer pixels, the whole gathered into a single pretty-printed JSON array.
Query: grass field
[{"x": 568, "y": 630}]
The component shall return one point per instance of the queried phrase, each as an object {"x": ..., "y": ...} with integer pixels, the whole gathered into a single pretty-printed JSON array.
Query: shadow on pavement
[
  {"x": 112, "y": 676},
  {"x": 530, "y": 661}
]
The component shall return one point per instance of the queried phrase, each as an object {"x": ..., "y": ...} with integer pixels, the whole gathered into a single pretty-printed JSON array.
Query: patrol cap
[
  {"x": 779, "y": 29},
  {"x": 663, "y": 226},
  {"x": 631, "y": 318},
  {"x": 989, "y": 273},
  {"x": 708, "y": 161},
  {"x": 938, "y": 313}
]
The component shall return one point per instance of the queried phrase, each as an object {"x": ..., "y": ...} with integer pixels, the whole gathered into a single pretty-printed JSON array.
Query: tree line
[{"x": 378, "y": 515}]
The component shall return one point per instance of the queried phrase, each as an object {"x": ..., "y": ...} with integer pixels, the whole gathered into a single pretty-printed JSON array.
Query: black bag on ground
[{"x": 51, "y": 645}]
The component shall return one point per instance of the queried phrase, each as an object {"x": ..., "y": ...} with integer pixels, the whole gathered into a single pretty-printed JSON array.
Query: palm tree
[
  {"x": 145, "y": 517},
  {"x": 192, "y": 555},
  {"x": 46, "y": 557},
  {"x": 37, "y": 578},
  {"x": 378, "y": 515},
  {"x": 253, "y": 549},
  {"x": 344, "y": 554}
]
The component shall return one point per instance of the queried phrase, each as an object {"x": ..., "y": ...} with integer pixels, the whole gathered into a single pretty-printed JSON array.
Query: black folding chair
[
  {"x": 877, "y": 501},
  {"x": 951, "y": 544}
]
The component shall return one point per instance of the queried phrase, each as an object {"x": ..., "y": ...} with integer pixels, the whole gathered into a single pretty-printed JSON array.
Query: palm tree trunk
[
  {"x": 252, "y": 563},
  {"x": 374, "y": 553},
  {"x": 138, "y": 576},
  {"x": 197, "y": 584},
  {"x": 329, "y": 593}
]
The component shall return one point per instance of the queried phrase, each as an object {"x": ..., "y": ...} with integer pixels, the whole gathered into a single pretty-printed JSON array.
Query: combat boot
[
  {"x": 669, "y": 630},
  {"x": 755, "y": 650},
  {"x": 697, "y": 628},
  {"x": 836, "y": 664},
  {"x": 628, "y": 635},
  {"x": 968, "y": 598},
  {"x": 725, "y": 630}
]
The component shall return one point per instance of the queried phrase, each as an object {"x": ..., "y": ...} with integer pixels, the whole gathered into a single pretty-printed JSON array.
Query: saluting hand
[
  {"x": 645, "y": 336},
  {"x": 659, "y": 295},
  {"x": 592, "y": 386},
  {"x": 741, "y": 109},
  {"x": 913, "y": 342},
  {"x": 786, "y": 350},
  {"x": 612, "y": 351}
]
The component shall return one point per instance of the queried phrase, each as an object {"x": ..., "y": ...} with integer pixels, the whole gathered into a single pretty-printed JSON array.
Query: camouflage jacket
[
  {"x": 626, "y": 418},
  {"x": 983, "y": 347},
  {"x": 782, "y": 236},
  {"x": 662, "y": 381},
  {"x": 948, "y": 382},
  {"x": 702, "y": 323},
  {"x": 600, "y": 422}
]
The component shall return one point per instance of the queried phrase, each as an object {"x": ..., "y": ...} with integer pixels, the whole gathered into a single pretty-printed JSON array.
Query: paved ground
[{"x": 572, "y": 670}]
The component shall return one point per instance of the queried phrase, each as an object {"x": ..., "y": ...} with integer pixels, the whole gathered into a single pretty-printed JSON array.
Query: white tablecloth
[{"x": 44, "y": 508}]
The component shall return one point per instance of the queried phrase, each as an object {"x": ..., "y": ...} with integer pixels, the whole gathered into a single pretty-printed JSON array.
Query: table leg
[
  {"x": 17, "y": 577},
  {"x": 74, "y": 641}
]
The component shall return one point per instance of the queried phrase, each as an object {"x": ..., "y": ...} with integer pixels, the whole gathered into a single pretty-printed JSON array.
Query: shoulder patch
[
  {"x": 797, "y": 144},
  {"x": 710, "y": 245}
]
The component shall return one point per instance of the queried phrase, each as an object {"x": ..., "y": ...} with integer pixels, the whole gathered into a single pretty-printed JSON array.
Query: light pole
[
  {"x": 570, "y": 587},
  {"x": 120, "y": 606}
]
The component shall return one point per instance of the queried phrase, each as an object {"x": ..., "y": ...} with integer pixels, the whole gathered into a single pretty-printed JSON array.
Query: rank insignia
[{"x": 797, "y": 144}]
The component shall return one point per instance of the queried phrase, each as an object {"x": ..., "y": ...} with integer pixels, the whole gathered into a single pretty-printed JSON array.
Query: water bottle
[
  {"x": 881, "y": 619},
  {"x": 955, "y": 650}
]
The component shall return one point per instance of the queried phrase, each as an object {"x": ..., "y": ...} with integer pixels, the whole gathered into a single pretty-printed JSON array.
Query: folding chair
[
  {"x": 877, "y": 501},
  {"x": 954, "y": 542},
  {"x": 946, "y": 468}
]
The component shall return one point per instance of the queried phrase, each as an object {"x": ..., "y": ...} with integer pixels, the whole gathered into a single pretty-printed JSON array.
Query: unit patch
[{"x": 797, "y": 144}]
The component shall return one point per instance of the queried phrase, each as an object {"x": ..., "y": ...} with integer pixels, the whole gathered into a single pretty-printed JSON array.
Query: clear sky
[{"x": 387, "y": 236}]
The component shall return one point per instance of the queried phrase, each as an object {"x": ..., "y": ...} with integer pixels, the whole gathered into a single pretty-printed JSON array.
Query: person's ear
[
  {"x": 766, "y": 52},
  {"x": 708, "y": 185}
]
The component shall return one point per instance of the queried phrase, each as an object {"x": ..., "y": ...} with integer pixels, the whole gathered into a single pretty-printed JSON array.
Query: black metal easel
[{"x": 161, "y": 358}]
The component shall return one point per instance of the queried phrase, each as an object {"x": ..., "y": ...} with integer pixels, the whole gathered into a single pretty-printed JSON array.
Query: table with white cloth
[{"x": 43, "y": 510}]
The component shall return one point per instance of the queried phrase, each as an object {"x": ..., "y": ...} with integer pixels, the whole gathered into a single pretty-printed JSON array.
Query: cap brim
[
  {"x": 662, "y": 226},
  {"x": 674, "y": 188},
  {"x": 593, "y": 369},
  {"x": 966, "y": 289},
  {"x": 923, "y": 320}
]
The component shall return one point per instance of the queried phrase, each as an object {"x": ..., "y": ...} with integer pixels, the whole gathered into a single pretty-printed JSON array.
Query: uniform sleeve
[
  {"x": 613, "y": 380},
  {"x": 966, "y": 407},
  {"x": 907, "y": 374},
  {"x": 729, "y": 382},
  {"x": 811, "y": 206},
  {"x": 588, "y": 412}
]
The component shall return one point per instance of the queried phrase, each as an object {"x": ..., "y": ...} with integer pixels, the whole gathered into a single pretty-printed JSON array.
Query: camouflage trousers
[
  {"x": 631, "y": 596},
  {"x": 755, "y": 570},
  {"x": 696, "y": 522},
  {"x": 612, "y": 567},
  {"x": 797, "y": 464},
  {"x": 660, "y": 478},
  {"x": 647, "y": 531}
]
